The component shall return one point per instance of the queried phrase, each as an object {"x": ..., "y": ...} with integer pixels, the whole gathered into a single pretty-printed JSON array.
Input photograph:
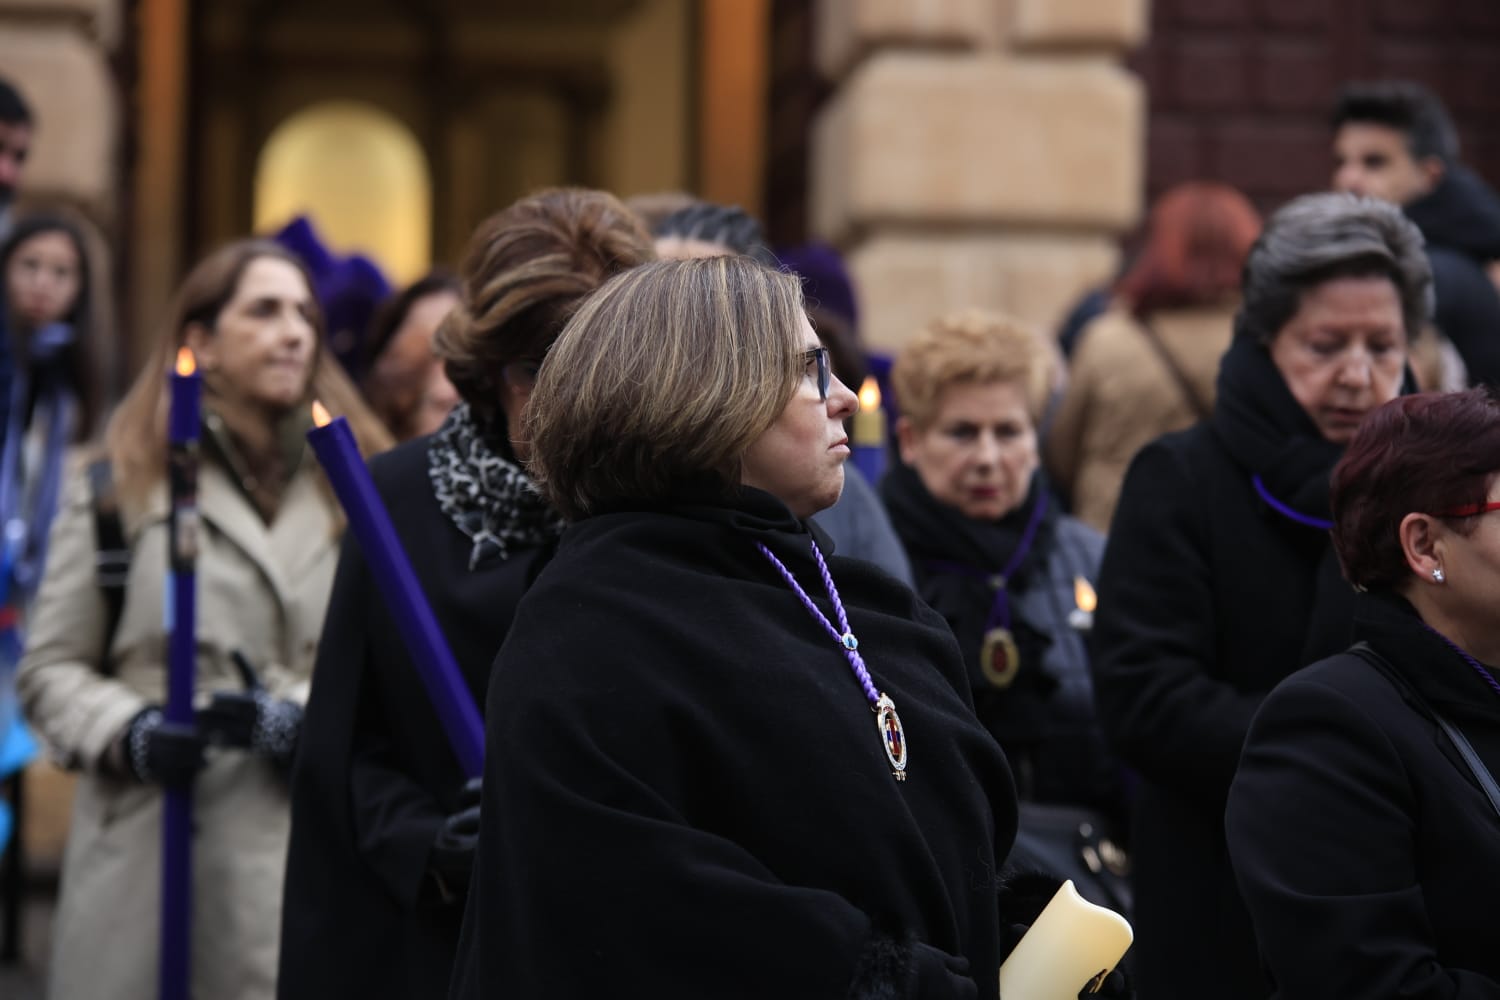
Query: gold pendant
[
  {"x": 999, "y": 658},
  {"x": 892, "y": 736}
]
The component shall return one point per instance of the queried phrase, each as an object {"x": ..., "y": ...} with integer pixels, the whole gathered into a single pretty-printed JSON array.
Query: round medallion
[
  {"x": 892, "y": 736},
  {"x": 999, "y": 658}
]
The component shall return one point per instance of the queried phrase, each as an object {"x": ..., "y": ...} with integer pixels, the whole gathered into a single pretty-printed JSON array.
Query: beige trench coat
[
  {"x": 262, "y": 590},
  {"x": 1121, "y": 397}
]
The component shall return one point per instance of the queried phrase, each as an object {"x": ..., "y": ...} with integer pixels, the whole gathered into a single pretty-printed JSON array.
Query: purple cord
[
  {"x": 1479, "y": 669},
  {"x": 1287, "y": 512},
  {"x": 845, "y": 639}
]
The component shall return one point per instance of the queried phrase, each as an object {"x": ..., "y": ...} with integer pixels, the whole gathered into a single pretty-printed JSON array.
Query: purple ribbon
[
  {"x": 1287, "y": 512},
  {"x": 999, "y": 616}
]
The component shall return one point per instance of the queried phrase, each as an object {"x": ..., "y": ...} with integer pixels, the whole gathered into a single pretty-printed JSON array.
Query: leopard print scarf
[{"x": 490, "y": 498}]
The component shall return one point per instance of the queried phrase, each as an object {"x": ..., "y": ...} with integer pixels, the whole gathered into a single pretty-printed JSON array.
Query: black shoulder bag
[
  {"x": 1465, "y": 749},
  {"x": 112, "y": 553}
]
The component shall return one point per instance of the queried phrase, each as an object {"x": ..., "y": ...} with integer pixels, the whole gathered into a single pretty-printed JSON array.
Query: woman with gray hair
[{"x": 1219, "y": 579}]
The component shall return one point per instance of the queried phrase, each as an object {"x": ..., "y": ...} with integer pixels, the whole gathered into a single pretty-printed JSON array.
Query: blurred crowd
[{"x": 1190, "y": 602}]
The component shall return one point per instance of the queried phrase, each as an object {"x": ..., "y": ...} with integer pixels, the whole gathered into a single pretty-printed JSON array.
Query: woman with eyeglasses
[
  {"x": 720, "y": 761},
  {"x": 1364, "y": 820},
  {"x": 382, "y": 823}
]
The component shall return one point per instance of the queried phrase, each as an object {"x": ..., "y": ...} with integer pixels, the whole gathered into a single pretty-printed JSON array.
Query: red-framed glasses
[{"x": 1472, "y": 510}]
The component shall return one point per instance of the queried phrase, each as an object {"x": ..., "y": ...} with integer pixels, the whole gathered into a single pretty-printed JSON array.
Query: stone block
[
  {"x": 844, "y": 30},
  {"x": 99, "y": 19},
  {"x": 67, "y": 82},
  {"x": 980, "y": 139},
  {"x": 906, "y": 280},
  {"x": 1107, "y": 24}
]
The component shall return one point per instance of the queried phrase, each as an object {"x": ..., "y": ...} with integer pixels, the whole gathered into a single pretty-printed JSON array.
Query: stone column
[{"x": 977, "y": 153}]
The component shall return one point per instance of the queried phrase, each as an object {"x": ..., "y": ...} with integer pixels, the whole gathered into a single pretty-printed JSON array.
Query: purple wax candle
[
  {"x": 333, "y": 442},
  {"x": 180, "y": 614}
]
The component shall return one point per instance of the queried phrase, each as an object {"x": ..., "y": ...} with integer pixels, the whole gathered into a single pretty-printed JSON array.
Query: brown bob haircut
[
  {"x": 527, "y": 269},
  {"x": 661, "y": 381},
  {"x": 1424, "y": 454}
]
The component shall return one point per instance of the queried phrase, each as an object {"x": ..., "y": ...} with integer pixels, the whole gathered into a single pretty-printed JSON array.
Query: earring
[{"x": 1437, "y": 575}]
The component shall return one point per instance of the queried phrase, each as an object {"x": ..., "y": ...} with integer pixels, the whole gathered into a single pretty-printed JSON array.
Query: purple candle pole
[
  {"x": 333, "y": 442},
  {"x": 181, "y": 615},
  {"x": 868, "y": 451}
]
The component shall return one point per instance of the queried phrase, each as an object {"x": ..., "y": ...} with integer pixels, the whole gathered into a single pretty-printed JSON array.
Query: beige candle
[{"x": 1070, "y": 948}]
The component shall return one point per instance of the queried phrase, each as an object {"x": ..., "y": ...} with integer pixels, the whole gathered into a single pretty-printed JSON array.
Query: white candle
[{"x": 1070, "y": 947}]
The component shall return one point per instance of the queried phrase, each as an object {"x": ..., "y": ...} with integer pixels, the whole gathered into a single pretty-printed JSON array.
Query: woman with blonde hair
[
  {"x": 93, "y": 683},
  {"x": 698, "y": 780},
  {"x": 995, "y": 555},
  {"x": 382, "y": 822}
]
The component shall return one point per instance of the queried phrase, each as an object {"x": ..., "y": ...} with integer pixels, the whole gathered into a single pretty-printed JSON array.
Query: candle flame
[
  {"x": 869, "y": 395},
  {"x": 186, "y": 364},
  {"x": 320, "y": 414},
  {"x": 1083, "y": 595}
]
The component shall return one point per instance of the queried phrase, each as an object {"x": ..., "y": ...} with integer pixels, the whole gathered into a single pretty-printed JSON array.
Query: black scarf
[
  {"x": 1269, "y": 433},
  {"x": 487, "y": 495},
  {"x": 956, "y": 559}
]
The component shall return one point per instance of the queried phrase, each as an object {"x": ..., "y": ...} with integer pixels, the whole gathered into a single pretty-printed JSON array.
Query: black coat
[
  {"x": 1460, "y": 221},
  {"x": 1207, "y": 599},
  {"x": 375, "y": 775},
  {"x": 1368, "y": 855},
  {"x": 686, "y": 794}
]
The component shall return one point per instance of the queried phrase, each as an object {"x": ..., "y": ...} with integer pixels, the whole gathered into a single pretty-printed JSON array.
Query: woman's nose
[{"x": 842, "y": 402}]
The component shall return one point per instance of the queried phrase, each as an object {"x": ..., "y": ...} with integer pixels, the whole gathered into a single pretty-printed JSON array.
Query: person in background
[
  {"x": 267, "y": 541},
  {"x": 16, "y": 129},
  {"x": 1218, "y": 578},
  {"x": 1147, "y": 365},
  {"x": 406, "y": 385},
  {"x": 53, "y": 328},
  {"x": 382, "y": 824},
  {"x": 993, "y": 552},
  {"x": 1393, "y": 140},
  {"x": 1363, "y": 841},
  {"x": 687, "y": 792},
  {"x": 856, "y": 522}
]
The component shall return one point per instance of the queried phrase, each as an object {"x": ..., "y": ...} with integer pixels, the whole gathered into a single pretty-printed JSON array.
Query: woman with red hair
[
  {"x": 1364, "y": 821},
  {"x": 1147, "y": 366}
]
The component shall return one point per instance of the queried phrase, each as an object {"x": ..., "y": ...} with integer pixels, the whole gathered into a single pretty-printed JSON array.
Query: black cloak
[
  {"x": 375, "y": 776},
  {"x": 686, "y": 794}
]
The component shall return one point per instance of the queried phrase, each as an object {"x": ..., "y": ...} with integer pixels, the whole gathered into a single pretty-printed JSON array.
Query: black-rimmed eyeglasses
[{"x": 819, "y": 355}]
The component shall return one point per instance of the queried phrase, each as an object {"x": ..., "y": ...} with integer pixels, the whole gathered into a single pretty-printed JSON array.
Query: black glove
[
  {"x": 451, "y": 860},
  {"x": 158, "y": 752},
  {"x": 252, "y": 720}
]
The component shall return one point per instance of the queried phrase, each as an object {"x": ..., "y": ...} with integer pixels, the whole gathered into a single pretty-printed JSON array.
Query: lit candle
[
  {"x": 180, "y": 613},
  {"x": 333, "y": 442},
  {"x": 1085, "y": 601},
  {"x": 869, "y": 432},
  {"x": 1070, "y": 947}
]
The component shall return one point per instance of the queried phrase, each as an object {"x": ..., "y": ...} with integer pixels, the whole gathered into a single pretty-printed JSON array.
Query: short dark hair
[
  {"x": 1424, "y": 453},
  {"x": 729, "y": 226},
  {"x": 13, "y": 107},
  {"x": 1320, "y": 237},
  {"x": 1407, "y": 107}
]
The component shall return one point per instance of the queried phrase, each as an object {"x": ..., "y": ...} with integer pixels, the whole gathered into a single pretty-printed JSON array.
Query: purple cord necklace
[
  {"x": 887, "y": 722},
  {"x": 1479, "y": 669},
  {"x": 1288, "y": 512}
]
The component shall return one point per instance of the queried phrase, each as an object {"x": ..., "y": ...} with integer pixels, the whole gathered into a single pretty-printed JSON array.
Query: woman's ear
[
  {"x": 907, "y": 440},
  {"x": 1424, "y": 541},
  {"x": 200, "y": 341}
]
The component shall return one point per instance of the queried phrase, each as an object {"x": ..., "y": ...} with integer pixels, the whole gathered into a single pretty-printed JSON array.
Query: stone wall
[{"x": 976, "y": 153}]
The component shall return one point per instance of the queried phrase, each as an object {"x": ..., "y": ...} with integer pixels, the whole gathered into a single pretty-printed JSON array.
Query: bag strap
[
  {"x": 112, "y": 554},
  {"x": 1465, "y": 749},
  {"x": 1184, "y": 384}
]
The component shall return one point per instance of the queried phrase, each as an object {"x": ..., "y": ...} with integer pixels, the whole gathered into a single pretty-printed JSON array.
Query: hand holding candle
[
  {"x": 869, "y": 432},
  {"x": 333, "y": 442},
  {"x": 1071, "y": 946}
]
